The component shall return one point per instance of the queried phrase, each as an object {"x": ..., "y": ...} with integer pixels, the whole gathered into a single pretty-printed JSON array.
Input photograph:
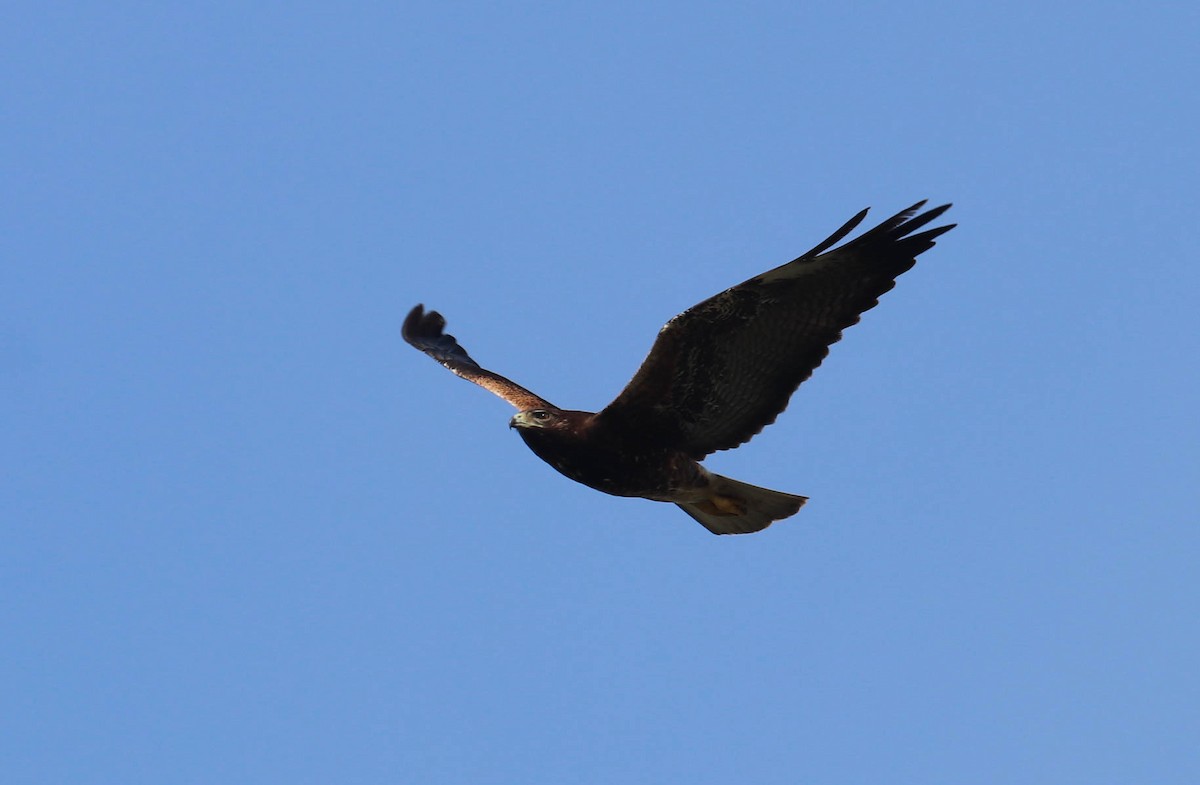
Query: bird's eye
[{"x": 541, "y": 414}]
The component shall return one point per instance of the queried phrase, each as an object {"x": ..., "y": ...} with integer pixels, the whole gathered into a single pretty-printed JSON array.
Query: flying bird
[{"x": 717, "y": 374}]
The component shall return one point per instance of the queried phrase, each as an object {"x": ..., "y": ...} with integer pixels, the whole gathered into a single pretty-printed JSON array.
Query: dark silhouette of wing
[
  {"x": 425, "y": 331},
  {"x": 724, "y": 369}
]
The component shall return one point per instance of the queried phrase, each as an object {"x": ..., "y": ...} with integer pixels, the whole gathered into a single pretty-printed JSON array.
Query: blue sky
[{"x": 250, "y": 536}]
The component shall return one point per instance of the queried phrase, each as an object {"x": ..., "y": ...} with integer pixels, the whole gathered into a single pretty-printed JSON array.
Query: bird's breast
[{"x": 613, "y": 468}]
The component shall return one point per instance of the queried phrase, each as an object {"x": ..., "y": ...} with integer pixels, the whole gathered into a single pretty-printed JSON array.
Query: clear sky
[{"x": 249, "y": 536}]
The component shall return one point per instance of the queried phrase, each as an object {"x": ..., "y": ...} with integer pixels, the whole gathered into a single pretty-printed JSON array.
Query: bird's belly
[{"x": 656, "y": 475}]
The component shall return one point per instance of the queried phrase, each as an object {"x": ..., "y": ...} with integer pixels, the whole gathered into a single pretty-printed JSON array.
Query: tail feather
[{"x": 740, "y": 508}]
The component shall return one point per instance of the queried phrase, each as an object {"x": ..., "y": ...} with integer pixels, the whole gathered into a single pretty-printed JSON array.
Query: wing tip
[
  {"x": 897, "y": 231},
  {"x": 898, "y": 226},
  {"x": 421, "y": 325},
  {"x": 411, "y": 322}
]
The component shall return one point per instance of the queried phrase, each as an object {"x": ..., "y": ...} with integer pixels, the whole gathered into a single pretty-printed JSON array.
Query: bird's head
[
  {"x": 551, "y": 425},
  {"x": 549, "y": 431},
  {"x": 538, "y": 418}
]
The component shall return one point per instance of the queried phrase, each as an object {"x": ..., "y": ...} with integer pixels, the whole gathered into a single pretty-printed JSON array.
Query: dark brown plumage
[{"x": 717, "y": 374}]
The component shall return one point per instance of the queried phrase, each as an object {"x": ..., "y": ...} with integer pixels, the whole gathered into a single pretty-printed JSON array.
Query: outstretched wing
[
  {"x": 724, "y": 369},
  {"x": 425, "y": 331}
]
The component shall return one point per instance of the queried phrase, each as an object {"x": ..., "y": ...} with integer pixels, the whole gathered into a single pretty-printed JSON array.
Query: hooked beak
[{"x": 522, "y": 420}]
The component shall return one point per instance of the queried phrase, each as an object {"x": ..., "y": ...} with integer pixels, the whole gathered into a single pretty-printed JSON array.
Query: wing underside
[
  {"x": 425, "y": 330},
  {"x": 724, "y": 369}
]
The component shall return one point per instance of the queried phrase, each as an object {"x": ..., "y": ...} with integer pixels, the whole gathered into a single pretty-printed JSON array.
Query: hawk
[{"x": 717, "y": 374}]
